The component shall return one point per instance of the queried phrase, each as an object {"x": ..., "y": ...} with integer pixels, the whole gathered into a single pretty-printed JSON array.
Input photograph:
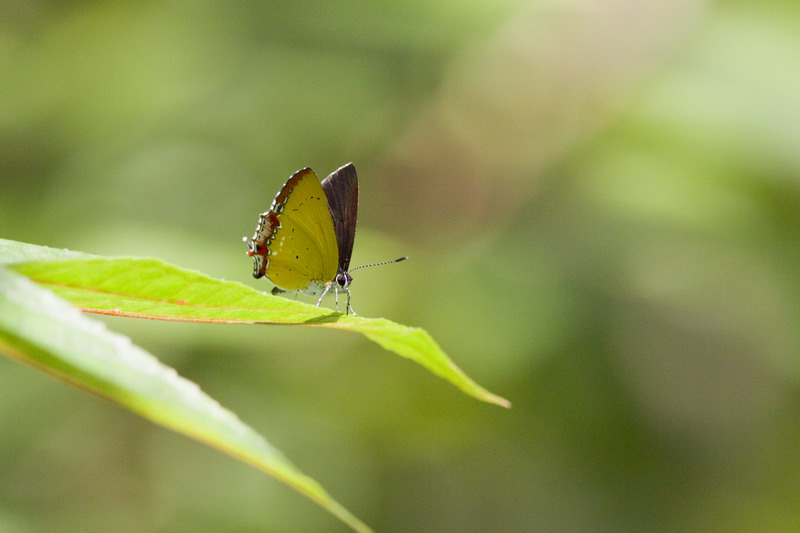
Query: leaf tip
[{"x": 498, "y": 400}]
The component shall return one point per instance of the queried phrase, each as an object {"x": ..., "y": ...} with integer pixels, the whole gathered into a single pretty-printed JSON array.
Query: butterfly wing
[
  {"x": 341, "y": 190},
  {"x": 295, "y": 242}
]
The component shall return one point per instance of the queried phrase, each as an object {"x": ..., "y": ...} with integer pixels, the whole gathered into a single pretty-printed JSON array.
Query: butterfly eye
[{"x": 344, "y": 279}]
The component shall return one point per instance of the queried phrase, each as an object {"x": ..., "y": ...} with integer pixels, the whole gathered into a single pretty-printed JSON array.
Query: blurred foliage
[{"x": 600, "y": 201}]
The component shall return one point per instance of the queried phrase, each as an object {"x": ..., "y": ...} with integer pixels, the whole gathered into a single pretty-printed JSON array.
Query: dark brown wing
[{"x": 341, "y": 189}]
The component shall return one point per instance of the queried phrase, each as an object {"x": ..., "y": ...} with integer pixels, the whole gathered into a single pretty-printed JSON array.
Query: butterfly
[{"x": 305, "y": 240}]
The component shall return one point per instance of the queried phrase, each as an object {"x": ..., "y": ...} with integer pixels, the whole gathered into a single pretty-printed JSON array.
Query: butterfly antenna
[{"x": 381, "y": 263}]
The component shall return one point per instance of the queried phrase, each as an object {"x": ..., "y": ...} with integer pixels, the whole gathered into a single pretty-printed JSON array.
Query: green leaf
[
  {"x": 40, "y": 329},
  {"x": 148, "y": 288}
]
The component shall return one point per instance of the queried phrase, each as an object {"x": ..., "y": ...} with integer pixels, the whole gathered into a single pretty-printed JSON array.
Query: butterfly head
[
  {"x": 344, "y": 279},
  {"x": 258, "y": 252}
]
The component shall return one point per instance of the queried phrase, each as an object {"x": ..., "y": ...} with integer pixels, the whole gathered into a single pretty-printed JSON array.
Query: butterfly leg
[
  {"x": 323, "y": 294},
  {"x": 349, "y": 307}
]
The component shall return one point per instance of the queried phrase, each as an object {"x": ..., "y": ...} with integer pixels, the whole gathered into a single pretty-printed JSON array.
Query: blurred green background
[{"x": 601, "y": 203}]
